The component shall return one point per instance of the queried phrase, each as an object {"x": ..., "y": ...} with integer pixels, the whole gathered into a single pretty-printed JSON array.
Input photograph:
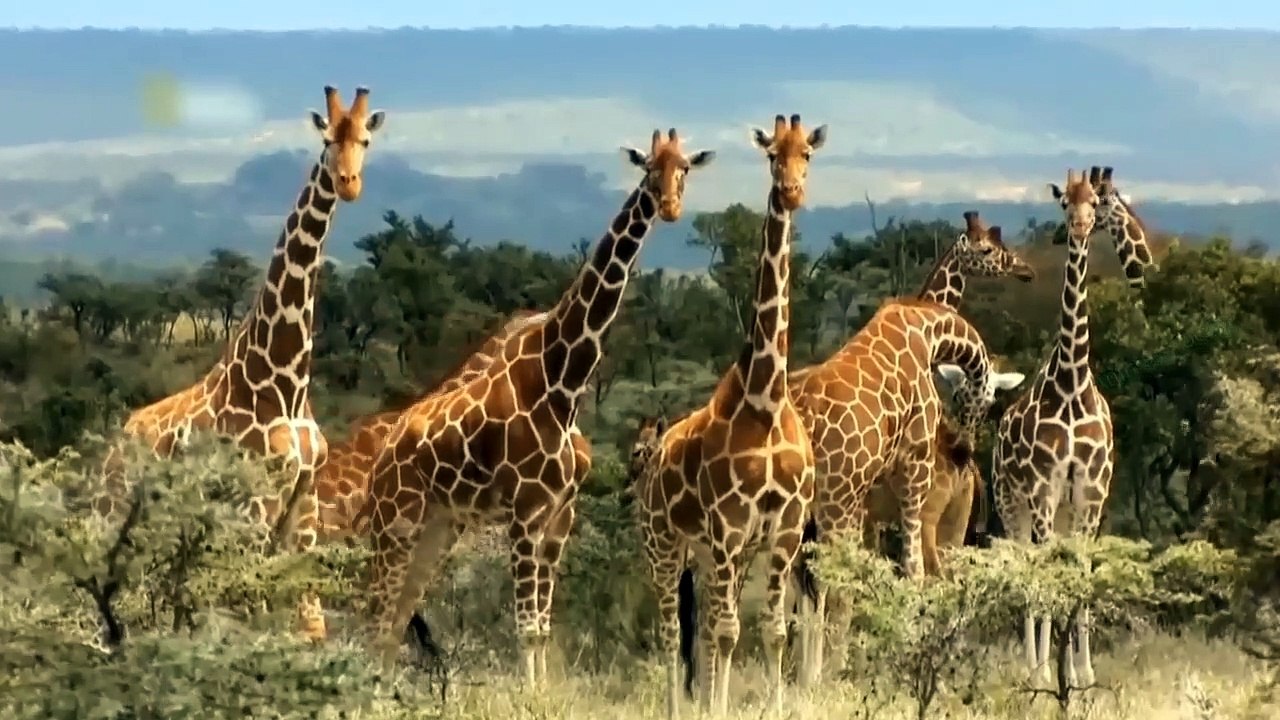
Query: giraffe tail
[
  {"x": 688, "y": 615},
  {"x": 980, "y": 516},
  {"x": 803, "y": 573}
]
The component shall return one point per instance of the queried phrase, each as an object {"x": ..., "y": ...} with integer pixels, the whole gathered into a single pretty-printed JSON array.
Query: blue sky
[{"x": 297, "y": 14}]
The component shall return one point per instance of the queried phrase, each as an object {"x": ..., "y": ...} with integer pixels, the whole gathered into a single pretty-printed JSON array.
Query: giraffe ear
[
  {"x": 818, "y": 137},
  {"x": 953, "y": 374},
  {"x": 702, "y": 158},
  {"x": 1007, "y": 381},
  {"x": 660, "y": 424},
  {"x": 1055, "y": 191},
  {"x": 636, "y": 156},
  {"x": 319, "y": 122},
  {"x": 376, "y": 118},
  {"x": 760, "y": 138}
]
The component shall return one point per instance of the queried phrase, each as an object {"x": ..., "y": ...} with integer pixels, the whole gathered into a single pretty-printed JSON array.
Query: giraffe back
[{"x": 342, "y": 482}]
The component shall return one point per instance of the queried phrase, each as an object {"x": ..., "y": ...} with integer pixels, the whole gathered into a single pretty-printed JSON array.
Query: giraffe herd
[{"x": 776, "y": 456}]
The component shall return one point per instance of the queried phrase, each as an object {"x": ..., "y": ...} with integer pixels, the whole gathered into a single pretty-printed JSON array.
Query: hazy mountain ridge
[{"x": 513, "y": 133}]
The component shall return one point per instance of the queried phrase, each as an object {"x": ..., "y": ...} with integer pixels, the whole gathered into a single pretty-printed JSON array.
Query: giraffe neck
[
  {"x": 1069, "y": 368},
  {"x": 574, "y": 331},
  {"x": 945, "y": 284},
  {"x": 1130, "y": 239},
  {"x": 763, "y": 363},
  {"x": 274, "y": 342}
]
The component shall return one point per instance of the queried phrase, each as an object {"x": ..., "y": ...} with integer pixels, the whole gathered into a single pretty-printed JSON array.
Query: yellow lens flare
[{"x": 161, "y": 100}]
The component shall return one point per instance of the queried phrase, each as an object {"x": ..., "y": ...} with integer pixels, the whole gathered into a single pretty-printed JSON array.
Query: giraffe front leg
[
  {"x": 1041, "y": 531},
  {"x": 311, "y": 620},
  {"x": 722, "y": 594},
  {"x": 548, "y": 569},
  {"x": 785, "y": 548}
]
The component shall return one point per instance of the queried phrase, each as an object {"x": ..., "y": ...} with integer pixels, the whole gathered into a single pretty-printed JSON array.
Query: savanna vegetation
[{"x": 1185, "y": 585}]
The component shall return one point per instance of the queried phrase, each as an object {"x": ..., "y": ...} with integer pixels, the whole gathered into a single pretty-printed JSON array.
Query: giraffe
[
  {"x": 257, "y": 392},
  {"x": 979, "y": 251},
  {"x": 736, "y": 475},
  {"x": 873, "y": 411},
  {"x": 1117, "y": 217},
  {"x": 1055, "y": 442},
  {"x": 499, "y": 449}
]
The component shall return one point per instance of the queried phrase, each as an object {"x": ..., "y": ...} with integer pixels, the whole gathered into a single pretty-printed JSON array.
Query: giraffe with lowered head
[
  {"x": 500, "y": 449},
  {"x": 258, "y": 392},
  {"x": 1054, "y": 452},
  {"x": 979, "y": 251},
  {"x": 736, "y": 475},
  {"x": 873, "y": 413}
]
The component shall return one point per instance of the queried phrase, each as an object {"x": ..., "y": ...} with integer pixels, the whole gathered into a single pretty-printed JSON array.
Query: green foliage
[{"x": 939, "y": 635}]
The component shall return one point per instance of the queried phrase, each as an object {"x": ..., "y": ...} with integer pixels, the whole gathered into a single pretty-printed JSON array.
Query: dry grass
[{"x": 1159, "y": 678}]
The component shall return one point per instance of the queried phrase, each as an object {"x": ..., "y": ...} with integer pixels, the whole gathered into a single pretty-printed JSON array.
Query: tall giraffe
[
  {"x": 500, "y": 449},
  {"x": 736, "y": 475},
  {"x": 257, "y": 392},
  {"x": 1055, "y": 442},
  {"x": 873, "y": 411}
]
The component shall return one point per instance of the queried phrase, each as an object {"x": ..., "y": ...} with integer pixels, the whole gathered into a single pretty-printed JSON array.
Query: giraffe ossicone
[
  {"x": 501, "y": 449},
  {"x": 258, "y": 391}
]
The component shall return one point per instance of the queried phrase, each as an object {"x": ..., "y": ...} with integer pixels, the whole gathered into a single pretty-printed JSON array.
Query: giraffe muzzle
[
  {"x": 669, "y": 211},
  {"x": 349, "y": 187}
]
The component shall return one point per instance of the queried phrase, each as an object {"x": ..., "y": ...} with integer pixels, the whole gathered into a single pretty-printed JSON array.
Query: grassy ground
[{"x": 1159, "y": 678}]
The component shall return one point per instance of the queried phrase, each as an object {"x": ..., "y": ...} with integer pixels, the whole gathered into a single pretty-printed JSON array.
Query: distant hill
[{"x": 513, "y": 133}]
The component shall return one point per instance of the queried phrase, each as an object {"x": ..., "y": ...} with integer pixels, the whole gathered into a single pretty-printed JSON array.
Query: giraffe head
[
  {"x": 975, "y": 401},
  {"x": 645, "y": 445},
  {"x": 1079, "y": 203},
  {"x": 981, "y": 252},
  {"x": 665, "y": 167},
  {"x": 789, "y": 150},
  {"x": 346, "y": 133}
]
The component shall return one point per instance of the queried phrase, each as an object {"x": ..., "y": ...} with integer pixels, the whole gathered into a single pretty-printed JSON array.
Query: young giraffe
[
  {"x": 873, "y": 412},
  {"x": 500, "y": 449},
  {"x": 1055, "y": 442},
  {"x": 737, "y": 474},
  {"x": 257, "y": 393}
]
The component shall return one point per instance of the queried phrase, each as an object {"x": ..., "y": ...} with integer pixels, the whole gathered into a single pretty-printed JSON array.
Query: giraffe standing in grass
[
  {"x": 873, "y": 413},
  {"x": 736, "y": 475},
  {"x": 257, "y": 393},
  {"x": 500, "y": 449},
  {"x": 1055, "y": 449},
  {"x": 979, "y": 251}
]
